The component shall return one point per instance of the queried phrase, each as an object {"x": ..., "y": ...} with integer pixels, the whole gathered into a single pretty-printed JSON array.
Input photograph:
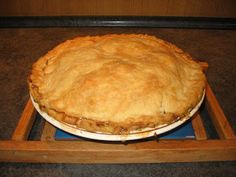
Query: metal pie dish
[{"x": 135, "y": 135}]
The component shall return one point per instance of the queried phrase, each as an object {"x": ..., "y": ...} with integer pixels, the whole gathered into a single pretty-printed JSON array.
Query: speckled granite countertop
[{"x": 19, "y": 48}]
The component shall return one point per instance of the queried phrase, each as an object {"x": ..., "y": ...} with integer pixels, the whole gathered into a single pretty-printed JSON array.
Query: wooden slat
[
  {"x": 25, "y": 123},
  {"x": 219, "y": 120},
  {"x": 92, "y": 152},
  {"x": 48, "y": 132},
  {"x": 198, "y": 127}
]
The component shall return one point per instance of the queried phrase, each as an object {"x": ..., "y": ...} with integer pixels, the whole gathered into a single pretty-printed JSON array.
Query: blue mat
[{"x": 184, "y": 131}]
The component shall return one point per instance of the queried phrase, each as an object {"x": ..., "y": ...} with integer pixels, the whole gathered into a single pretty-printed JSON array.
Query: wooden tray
[{"x": 48, "y": 150}]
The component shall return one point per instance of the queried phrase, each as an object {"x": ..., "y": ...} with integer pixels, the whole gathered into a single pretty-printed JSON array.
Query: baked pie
[{"x": 116, "y": 84}]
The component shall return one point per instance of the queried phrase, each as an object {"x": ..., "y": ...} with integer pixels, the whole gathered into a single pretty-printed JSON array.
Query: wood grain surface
[
  {"x": 192, "y": 8},
  {"x": 92, "y": 152},
  {"x": 25, "y": 123}
]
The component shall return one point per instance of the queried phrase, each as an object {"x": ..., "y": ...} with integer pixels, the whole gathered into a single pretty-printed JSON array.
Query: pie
[{"x": 116, "y": 83}]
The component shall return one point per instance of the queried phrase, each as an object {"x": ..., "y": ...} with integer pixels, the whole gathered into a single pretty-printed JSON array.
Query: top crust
[{"x": 116, "y": 82}]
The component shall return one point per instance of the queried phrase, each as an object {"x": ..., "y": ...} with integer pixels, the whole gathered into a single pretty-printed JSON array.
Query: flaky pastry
[{"x": 116, "y": 83}]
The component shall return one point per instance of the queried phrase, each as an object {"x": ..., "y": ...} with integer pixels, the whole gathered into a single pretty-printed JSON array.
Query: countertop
[{"x": 20, "y": 47}]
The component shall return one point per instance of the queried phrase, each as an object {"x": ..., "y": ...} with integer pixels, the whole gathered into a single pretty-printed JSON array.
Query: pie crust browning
[{"x": 116, "y": 83}]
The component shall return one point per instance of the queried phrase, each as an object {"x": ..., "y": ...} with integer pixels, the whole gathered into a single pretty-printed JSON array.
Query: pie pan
[{"x": 135, "y": 135}]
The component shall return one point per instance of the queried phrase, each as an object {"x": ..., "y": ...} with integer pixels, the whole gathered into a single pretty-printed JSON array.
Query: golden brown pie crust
[{"x": 116, "y": 83}]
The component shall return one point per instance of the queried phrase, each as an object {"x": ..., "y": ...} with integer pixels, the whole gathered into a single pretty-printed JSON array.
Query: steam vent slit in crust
[{"x": 116, "y": 83}]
